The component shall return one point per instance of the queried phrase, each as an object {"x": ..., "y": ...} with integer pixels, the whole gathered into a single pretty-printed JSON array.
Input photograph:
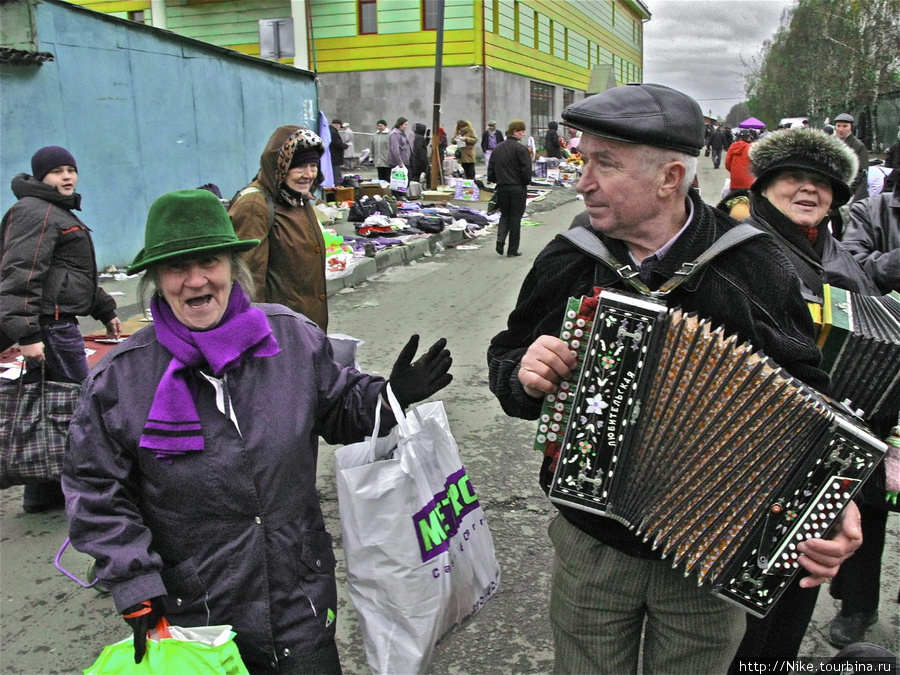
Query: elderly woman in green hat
[{"x": 190, "y": 475}]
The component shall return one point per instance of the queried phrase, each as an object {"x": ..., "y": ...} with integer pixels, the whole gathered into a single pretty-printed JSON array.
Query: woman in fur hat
[{"x": 800, "y": 176}]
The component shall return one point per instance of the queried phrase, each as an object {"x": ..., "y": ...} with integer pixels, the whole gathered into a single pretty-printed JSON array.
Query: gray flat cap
[
  {"x": 844, "y": 117},
  {"x": 647, "y": 114}
]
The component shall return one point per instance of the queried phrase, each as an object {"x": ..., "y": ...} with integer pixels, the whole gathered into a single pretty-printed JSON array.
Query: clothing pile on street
[
  {"x": 394, "y": 224},
  {"x": 553, "y": 172}
]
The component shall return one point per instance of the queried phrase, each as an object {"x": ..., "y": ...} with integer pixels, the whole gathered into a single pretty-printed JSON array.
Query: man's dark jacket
[
  {"x": 860, "y": 184},
  {"x": 873, "y": 237},
  {"x": 486, "y": 137},
  {"x": 418, "y": 161},
  {"x": 510, "y": 164},
  {"x": 551, "y": 141},
  {"x": 750, "y": 289},
  {"x": 337, "y": 147},
  {"x": 717, "y": 140}
]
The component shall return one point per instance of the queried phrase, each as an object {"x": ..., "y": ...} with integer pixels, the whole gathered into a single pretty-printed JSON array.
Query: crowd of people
[{"x": 240, "y": 379}]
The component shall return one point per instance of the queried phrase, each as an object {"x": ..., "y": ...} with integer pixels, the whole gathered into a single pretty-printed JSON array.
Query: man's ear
[{"x": 672, "y": 175}]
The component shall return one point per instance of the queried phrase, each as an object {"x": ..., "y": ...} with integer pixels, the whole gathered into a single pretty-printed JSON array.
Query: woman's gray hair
[
  {"x": 149, "y": 283},
  {"x": 653, "y": 158}
]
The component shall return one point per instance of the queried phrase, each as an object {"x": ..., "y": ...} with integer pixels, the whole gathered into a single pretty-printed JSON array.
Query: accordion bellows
[
  {"x": 859, "y": 336},
  {"x": 702, "y": 446}
]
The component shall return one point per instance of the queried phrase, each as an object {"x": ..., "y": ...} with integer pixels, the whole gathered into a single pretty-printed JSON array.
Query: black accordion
[{"x": 700, "y": 445}]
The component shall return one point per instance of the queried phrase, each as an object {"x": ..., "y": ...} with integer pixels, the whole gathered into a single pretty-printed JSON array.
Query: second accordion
[
  {"x": 701, "y": 446},
  {"x": 859, "y": 336}
]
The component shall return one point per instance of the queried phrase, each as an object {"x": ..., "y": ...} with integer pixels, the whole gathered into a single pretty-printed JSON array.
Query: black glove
[
  {"x": 414, "y": 382},
  {"x": 142, "y": 617}
]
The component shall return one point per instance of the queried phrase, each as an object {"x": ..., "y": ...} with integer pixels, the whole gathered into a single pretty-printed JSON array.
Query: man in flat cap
[
  {"x": 843, "y": 129},
  {"x": 640, "y": 145},
  {"x": 490, "y": 139}
]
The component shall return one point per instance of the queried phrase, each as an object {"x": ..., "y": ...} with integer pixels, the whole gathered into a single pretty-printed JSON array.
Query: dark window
[
  {"x": 368, "y": 17},
  {"x": 137, "y": 17},
  {"x": 430, "y": 15},
  {"x": 568, "y": 97},
  {"x": 541, "y": 110}
]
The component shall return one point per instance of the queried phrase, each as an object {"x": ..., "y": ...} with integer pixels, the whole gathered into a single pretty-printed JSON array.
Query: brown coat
[
  {"x": 288, "y": 267},
  {"x": 468, "y": 150}
]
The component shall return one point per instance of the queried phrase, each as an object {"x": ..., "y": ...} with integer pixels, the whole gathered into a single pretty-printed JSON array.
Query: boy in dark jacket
[{"x": 48, "y": 278}]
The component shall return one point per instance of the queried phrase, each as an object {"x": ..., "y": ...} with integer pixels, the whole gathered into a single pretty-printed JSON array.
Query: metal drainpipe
[
  {"x": 483, "y": 71},
  {"x": 158, "y": 14},
  {"x": 301, "y": 39}
]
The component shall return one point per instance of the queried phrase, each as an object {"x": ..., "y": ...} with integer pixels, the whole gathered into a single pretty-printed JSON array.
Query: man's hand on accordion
[
  {"x": 547, "y": 361},
  {"x": 823, "y": 557}
]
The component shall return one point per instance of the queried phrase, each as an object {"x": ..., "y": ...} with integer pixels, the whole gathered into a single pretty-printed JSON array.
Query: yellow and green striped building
[{"x": 502, "y": 59}]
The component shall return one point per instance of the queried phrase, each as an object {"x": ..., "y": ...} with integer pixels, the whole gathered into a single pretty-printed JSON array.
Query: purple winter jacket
[{"x": 232, "y": 534}]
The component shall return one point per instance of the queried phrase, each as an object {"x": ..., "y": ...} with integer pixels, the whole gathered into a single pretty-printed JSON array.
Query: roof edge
[{"x": 200, "y": 44}]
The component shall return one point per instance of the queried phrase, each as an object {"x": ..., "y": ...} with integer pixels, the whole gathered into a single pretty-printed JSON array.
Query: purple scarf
[{"x": 173, "y": 427}]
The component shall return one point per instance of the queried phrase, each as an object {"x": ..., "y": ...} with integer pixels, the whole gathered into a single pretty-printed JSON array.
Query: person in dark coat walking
[
  {"x": 48, "y": 278},
  {"x": 418, "y": 162},
  {"x": 510, "y": 169},
  {"x": 551, "y": 140},
  {"x": 336, "y": 149},
  {"x": 196, "y": 491},
  {"x": 717, "y": 142}
]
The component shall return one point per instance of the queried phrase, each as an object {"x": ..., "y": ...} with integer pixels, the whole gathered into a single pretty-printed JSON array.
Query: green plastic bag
[{"x": 189, "y": 651}]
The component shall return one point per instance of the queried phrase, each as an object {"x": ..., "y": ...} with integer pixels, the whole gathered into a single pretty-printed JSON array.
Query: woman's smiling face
[
  {"x": 197, "y": 289},
  {"x": 300, "y": 178},
  {"x": 803, "y": 196}
]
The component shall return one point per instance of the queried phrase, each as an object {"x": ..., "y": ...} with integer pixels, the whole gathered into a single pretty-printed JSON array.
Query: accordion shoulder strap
[{"x": 585, "y": 241}]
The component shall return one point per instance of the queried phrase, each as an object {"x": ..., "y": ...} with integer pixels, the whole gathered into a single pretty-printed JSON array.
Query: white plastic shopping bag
[
  {"x": 399, "y": 178},
  {"x": 420, "y": 557}
]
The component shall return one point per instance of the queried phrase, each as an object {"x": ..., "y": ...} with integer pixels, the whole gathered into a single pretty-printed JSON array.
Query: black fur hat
[{"x": 807, "y": 150}]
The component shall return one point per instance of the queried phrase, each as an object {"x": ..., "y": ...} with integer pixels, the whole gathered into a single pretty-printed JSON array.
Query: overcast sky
[{"x": 696, "y": 46}]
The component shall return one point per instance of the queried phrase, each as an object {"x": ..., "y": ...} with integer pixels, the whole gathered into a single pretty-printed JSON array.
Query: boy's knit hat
[{"x": 48, "y": 158}]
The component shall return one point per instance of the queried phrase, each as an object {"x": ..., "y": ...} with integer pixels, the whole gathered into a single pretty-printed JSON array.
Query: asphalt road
[{"x": 50, "y": 624}]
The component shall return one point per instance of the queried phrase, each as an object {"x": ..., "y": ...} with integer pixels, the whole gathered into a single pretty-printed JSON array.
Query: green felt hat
[{"x": 187, "y": 223}]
